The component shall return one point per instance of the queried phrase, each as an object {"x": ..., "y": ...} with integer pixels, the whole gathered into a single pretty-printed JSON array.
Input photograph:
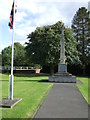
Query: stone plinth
[
  {"x": 62, "y": 68},
  {"x": 7, "y": 103},
  {"x": 62, "y": 76}
]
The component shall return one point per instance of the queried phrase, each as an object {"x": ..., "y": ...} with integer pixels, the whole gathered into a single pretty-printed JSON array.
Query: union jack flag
[{"x": 12, "y": 16}]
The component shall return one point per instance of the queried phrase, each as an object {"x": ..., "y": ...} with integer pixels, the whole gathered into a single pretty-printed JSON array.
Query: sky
[{"x": 35, "y": 13}]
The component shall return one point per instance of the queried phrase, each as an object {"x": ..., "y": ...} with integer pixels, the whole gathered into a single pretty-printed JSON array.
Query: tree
[
  {"x": 19, "y": 55},
  {"x": 0, "y": 59},
  {"x": 6, "y": 56},
  {"x": 81, "y": 29},
  {"x": 44, "y": 45}
]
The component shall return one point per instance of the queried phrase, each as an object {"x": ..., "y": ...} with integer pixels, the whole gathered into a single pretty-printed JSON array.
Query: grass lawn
[
  {"x": 84, "y": 88},
  {"x": 30, "y": 89}
]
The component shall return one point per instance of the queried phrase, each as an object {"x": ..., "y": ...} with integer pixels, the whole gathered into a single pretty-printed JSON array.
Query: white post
[{"x": 11, "y": 76}]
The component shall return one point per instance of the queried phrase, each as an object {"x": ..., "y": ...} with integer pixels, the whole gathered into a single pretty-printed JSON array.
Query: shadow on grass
[
  {"x": 44, "y": 81},
  {"x": 4, "y": 80},
  {"x": 31, "y": 75}
]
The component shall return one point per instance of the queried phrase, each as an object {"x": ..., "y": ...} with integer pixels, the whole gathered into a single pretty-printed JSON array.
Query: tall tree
[
  {"x": 44, "y": 45},
  {"x": 81, "y": 29},
  {"x": 0, "y": 59},
  {"x": 6, "y": 56},
  {"x": 19, "y": 55}
]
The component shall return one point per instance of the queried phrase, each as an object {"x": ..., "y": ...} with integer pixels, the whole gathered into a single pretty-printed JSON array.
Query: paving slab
[
  {"x": 63, "y": 101},
  {"x": 7, "y": 103}
]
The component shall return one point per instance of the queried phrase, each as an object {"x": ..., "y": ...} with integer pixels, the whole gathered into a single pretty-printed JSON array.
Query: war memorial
[{"x": 62, "y": 75}]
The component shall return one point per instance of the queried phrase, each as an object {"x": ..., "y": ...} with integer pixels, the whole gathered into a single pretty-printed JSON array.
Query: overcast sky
[{"x": 34, "y": 13}]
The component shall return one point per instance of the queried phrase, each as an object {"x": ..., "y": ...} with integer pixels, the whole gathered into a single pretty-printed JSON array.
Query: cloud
[
  {"x": 89, "y": 5},
  {"x": 25, "y": 31},
  {"x": 20, "y": 16},
  {"x": 5, "y": 8},
  {"x": 30, "y": 5},
  {"x": 27, "y": 21},
  {"x": 50, "y": 1},
  {"x": 50, "y": 16},
  {"x": 33, "y": 13}
]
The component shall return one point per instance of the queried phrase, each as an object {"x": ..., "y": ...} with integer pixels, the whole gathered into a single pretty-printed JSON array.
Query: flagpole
[{"x": 12, "y": 54}]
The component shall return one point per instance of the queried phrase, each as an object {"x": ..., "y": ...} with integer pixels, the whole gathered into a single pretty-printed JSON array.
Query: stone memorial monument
[{"x": 62, "y": 75}]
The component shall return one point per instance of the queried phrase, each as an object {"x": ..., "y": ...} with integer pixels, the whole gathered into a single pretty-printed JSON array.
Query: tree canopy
[
  {"x": 44, "y": 45},
  {"x": 81, "y": 29},
  {"x": 19, "y": 55}
]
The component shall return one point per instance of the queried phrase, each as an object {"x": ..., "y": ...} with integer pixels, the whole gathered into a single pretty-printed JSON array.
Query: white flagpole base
[{"x": 11, "y": 87}]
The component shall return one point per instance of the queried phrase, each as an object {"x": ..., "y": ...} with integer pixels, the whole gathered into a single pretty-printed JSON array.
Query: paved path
[{"x": 63, "y": 101}]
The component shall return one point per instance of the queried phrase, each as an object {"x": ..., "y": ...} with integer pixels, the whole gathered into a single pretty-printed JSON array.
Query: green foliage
[
  {"x": 0, "y": 59},
  {"x": 81, "y": 29},
  {"x": 44, "y": 45},
  {"x": 6, "y": 56},
  {"x": 72, "y": 55},
  {"x": 19, "y": 55}
]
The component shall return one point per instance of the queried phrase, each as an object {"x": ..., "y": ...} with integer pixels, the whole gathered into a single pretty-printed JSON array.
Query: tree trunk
[
  {"x": 83, "y": 72},
  {"x": 84, "y": 68},
  {"x": 52, "y": 70}
]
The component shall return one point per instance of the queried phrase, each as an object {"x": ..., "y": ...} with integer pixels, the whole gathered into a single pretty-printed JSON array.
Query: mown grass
[
  {"x": 32, "y": 91},
  {"x": 84, "y": 87}
]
